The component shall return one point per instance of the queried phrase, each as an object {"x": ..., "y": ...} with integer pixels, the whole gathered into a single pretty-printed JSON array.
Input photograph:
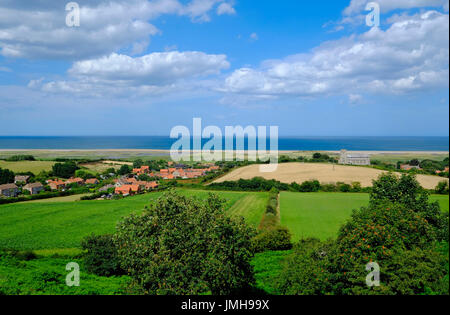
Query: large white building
[{"x": 354, "y": 158}]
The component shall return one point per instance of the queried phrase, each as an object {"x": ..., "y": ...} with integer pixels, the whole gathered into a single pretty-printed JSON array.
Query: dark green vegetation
[
  {"x": 6, "y": 176},
  {"x": 186, "y": 246},
  {"x": 64, "y": 170},
  {"x": 400, "y": 230},
  {"x": 16, "y": 158},
  {"x": 271, "y": 235},
  {"x": 261, "y": 184}
]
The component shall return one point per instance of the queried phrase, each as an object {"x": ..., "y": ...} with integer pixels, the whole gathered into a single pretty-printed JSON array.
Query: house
[
  {"x": 127, "y": 190},
  {"x": 347, "y": 158},
  {"x": 92, "y": 181},
  {"x": 444, "y": 171},
  {"x": 34, "y": 188},
  {"x": 56, "y": 184},
  {"x": 142, "y": 170},
  {"x": 151, "y": 185},
  {"x": 9, "y": 190},
  {"x": 78, "y": 181},
  {"x": 21, "y": 179},
  {"x": 407, "y": 167}
]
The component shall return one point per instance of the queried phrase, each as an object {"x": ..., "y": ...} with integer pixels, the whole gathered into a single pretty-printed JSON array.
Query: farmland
[
  {"x": 320, "y": 215},
  {"x": 27, "y": 166},
  {"x": 324, "y": 173},
  {"x": 58, "y": 225}
]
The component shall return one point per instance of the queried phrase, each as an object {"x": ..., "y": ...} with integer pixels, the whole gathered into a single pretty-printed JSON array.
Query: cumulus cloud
[
  {"x": 410, "y": 55},
  {"x": 37, "y": 29},
  {"x": 150, "y": 74},
  {"x": 225, "y": 8}
]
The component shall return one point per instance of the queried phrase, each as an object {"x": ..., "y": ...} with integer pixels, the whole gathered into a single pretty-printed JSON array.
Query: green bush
[
  {"x": 186, "y": 246},
  {"x": 442, "y": 188},
  {"x": 277, "y": 238},
  {"x": 398, "y": 231},
  {"x": 101, "y": 255}
]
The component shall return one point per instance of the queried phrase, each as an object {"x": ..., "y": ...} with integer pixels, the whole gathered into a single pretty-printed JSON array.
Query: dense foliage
[
  {"x": 261, "y": 184},
  {"x": 64, "y": 170},
  {"x": 100, "y": 256},
  {"x": 182, "y": 245},
  {"x": 272, "y": 236},
  {"x": 399, "y": 231},
  {"x": 6, "y": 176},
  {"x": 16, "y": 158}
]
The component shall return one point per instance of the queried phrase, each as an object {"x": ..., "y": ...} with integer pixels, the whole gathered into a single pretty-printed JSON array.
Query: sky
[{"x": 142, "y": 67}]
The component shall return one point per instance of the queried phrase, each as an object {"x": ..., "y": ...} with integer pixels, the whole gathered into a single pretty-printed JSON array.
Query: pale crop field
[
  {"x": 324, "y": 173},
  {"x": 27, "y": 166}
]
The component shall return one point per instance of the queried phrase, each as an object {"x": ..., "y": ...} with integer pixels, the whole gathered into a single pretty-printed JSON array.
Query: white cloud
[
  {"x": 358, "y": 6},
  {"x": 254, "y": 37},
  {"x": 36, "y": 29},
  {"x": 355, "y": 98},
  {"x": 154, "y": 73},
  {"x": 412, "y": 54},
  {"x": 225, "y": 8}
]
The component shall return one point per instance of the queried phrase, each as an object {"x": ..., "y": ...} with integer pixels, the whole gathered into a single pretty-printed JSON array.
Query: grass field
[
  {"x": 58, "y": 225},
  {"x": 58, "y": 199},
  {"x": 320, "y": 215},
  {"x": 27, "y": 166},
  {"x": 324, "y": 173}
]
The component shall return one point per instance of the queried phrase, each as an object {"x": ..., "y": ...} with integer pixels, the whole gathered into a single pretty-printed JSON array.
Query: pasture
[
  {"x": 324, "y": 173},
  {"x": 27, "y": 166},
  {"x": 59, "y": 225},
  {"x": 320, "y": 215}
]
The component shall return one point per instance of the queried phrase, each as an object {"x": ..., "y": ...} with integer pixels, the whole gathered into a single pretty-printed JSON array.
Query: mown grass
[
  {"x": 27, "y": 166},
  {"x": 251, "y": 207},
  {"x": 320, "y": 215},
  {"x": 58, "y": 225}
]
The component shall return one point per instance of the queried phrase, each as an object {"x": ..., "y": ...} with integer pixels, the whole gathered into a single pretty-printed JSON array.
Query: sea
[{"x": 284, "y": 143}]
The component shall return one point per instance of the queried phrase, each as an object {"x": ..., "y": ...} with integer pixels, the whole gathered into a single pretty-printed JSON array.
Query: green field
[
  {"x": 27, "y": 166},
  {"x": 59, "y": 225},
  {"x": 320, "y": 215}
]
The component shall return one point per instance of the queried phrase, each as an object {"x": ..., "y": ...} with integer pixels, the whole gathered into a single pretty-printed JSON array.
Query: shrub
[
  {"x": 64, "y": 170},
  {"x": 277, "y": 238},
  {"x": 6, "y": 176},
  {"x": 310, "y": 186},
  {"x": 101, "y": 255},
  {"x": 398, "y": 230},
  {"x": 182, "y": 245},
  {"x": 442, "y": 188}
]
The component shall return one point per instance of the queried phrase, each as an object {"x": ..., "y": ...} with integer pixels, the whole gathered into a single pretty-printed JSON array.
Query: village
[{"x": 110, "y": 185}]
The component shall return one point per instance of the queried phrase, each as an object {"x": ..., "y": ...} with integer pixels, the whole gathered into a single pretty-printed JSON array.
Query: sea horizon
[{"x": 286, "y": 143}]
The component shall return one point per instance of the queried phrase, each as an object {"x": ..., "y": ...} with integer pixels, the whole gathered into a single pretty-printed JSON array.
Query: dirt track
[{"x": 325, "y": 173}]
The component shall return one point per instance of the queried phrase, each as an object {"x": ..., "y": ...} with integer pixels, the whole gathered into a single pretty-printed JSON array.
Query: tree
[
  {"x": 64, "y": 170},
  {"x": 442, "y": 188},
  {"x": 414, "y": 162},
  {"x": 317, "y": 156},
  {"x": 138, "y": 163},
  {"x": 398, "y": 231},
  {"x": 186, "y": 246},
  {"x": 6, "y": 176},
  {"x": 124, "y": 170}
]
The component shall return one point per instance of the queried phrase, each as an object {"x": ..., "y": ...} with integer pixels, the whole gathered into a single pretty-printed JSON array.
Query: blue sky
[{"x": 139, "y": 67}]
